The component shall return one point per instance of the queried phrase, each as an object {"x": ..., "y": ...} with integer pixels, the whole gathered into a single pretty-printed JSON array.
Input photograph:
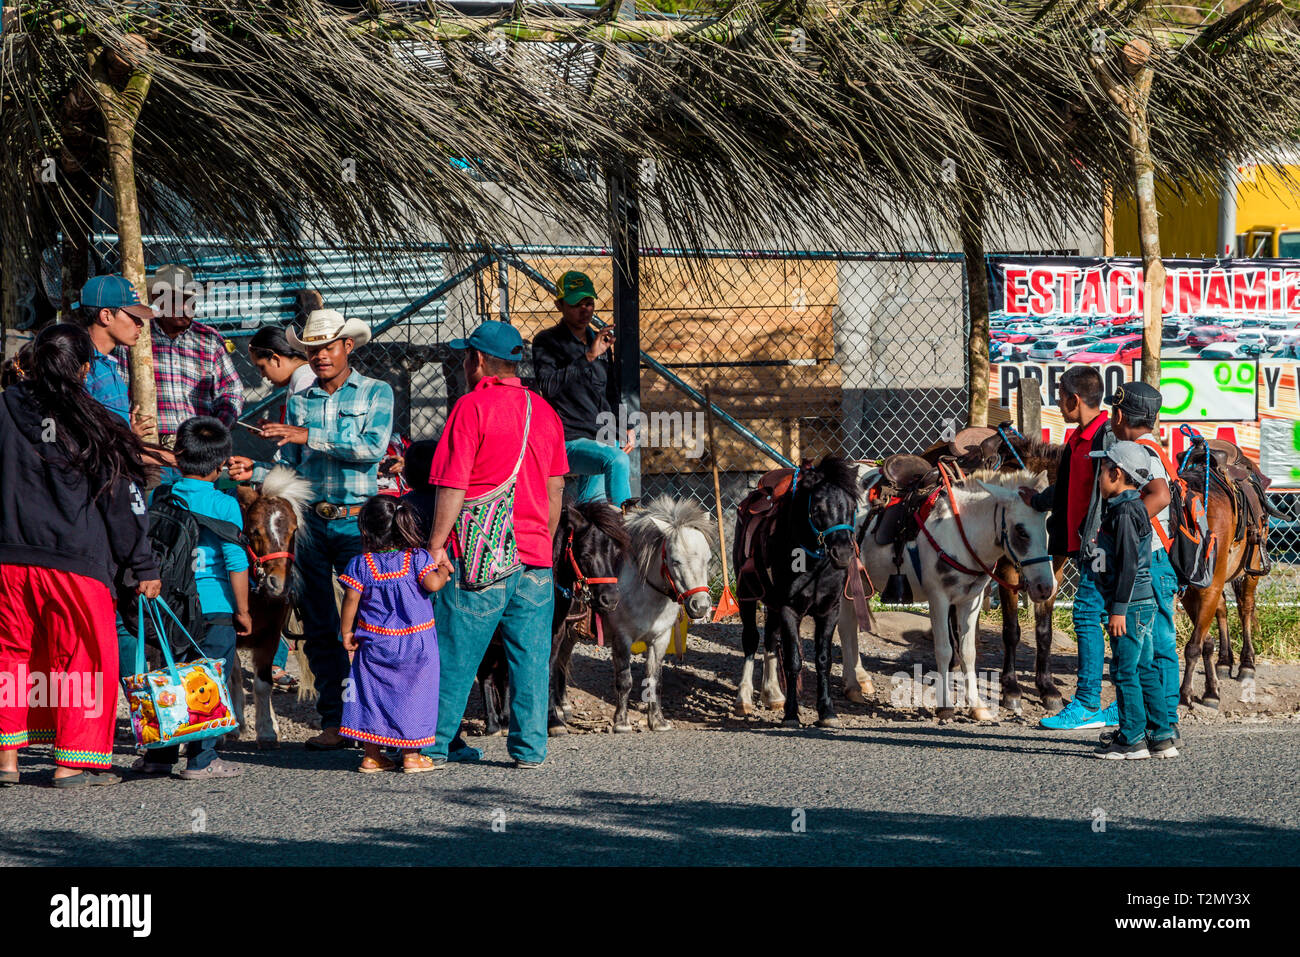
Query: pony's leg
[
  {"x": 1223, "y": 666},
  {"x": 1201, "y": 605},
  {"x": 822, "y": 641},
  {"x": 1010, "y": 606},
  {"x": 791, "y": 655},
  {"x": 773, "y": 697},
  {"x": 1249, "y": 624},
  {"x": 235, "y": 682},
  {"x": 853, "y": 678},
  {"x": 268, "y": 731},
  {"x": 941, "y": 628},
  {"x": 652, "y": 693},
  {"x": 748, "y": 644},
  {"x": 1211, "y": 697},
  {"x": 967, "y": 617},
  {"x": 621, "y": 646},
  {"x": 1048, "y": 692},
  {"x": 561, "y": 656}
]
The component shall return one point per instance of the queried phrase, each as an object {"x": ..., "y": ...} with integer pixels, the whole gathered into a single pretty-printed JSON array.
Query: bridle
[
  {"x": 582, "y": 583},
  {"x": 820, "y": 533},
  {"x": 675, "y": 593},
  {"x": 1003, "y": 541}
]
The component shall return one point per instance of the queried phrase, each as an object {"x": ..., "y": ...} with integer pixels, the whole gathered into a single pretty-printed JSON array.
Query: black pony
[
  {"x": 800, "y": 561},
  {"x": 589, "y": 546}
]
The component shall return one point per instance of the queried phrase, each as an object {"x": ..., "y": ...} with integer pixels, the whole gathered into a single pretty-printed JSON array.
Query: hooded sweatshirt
[{"x": 49, "y": 515}]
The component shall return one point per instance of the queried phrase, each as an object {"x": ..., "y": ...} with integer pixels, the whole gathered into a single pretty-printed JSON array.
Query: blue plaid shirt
[
  {"x": 105, "y": 385},
  {"x": 347, "y": 437}
]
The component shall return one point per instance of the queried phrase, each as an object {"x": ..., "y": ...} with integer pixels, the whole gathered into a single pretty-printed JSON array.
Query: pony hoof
[
  {"x": 622, "y": 729},
  {"x": 946, "y": 714},
  {"x": 268, "y": 744},
  {"x": 772, "y": 704},
  {"x": 1211, "y": 703},
  {"x": 1245, "y": 672},
  {"x": 854, "y": 693},
  {"x": 982, "y": 714},
  {"x": 1223, "y": 671},
  {"x": 1052, "y": 704},
  {"x": 828, "y": 722},
  {"x": 556, "y": 730},
  {"x": 568, "y": 712},
  {"x": 1012, "y": 702},
  {"x": 791, "y": 723},
  {"x": 662, "y": 726},
  {"x": 743, "y": 708}
]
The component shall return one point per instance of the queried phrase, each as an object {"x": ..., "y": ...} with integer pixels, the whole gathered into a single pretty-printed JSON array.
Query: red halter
[
  {"x": 674, "y": 593},
  {"x": 581, "y": 581}
]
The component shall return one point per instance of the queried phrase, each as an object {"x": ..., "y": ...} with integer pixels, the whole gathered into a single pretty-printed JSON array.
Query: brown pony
[
  {"x": 272, "y": 516},
  {"x": 1241, "y": 561}
]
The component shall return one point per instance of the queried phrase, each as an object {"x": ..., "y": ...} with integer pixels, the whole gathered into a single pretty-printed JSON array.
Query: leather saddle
[
  {"x": 973, "y": 448},
  {"x": 906, "y": 481},
  {"x": 1247, "y": 484},
  {"x": 755, "y": 520}
]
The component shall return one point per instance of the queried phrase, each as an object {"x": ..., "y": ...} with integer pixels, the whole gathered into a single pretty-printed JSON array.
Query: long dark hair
[
  {"x": 98, "y": 442},
  {"x": 271, "y": 341},
  {"x": 387, "y": 524}
]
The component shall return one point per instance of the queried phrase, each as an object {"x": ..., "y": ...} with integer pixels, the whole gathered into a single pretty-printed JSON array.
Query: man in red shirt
[
  {"x": 491, "y": 430},
  {"x": 1072, "y": 531}
]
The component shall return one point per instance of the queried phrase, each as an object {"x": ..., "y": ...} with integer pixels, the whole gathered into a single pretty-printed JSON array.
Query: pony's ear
[
  {"x": 246, "y": 495},
  {"x": 575, "y": 517},
  {"x": 997, "y": 491}
]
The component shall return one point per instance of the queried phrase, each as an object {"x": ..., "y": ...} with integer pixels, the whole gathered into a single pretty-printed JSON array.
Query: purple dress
[{"x": 393, "y": 695}]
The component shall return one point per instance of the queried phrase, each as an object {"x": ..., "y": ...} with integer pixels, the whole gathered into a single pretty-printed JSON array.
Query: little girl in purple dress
[{"x": 391, "y": 698}]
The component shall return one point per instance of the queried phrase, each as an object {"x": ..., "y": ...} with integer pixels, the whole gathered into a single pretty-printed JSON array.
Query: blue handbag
[{"x": 176, "y": 703}]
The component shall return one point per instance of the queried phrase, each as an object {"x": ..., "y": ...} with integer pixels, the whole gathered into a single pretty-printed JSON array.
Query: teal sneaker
[
  {"x": 1073, "y": 717},
  {"x": 1110, "y": 715}
]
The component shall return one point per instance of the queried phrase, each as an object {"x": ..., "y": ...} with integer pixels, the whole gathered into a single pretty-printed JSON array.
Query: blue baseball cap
[
  {"x": 492, "y": 338},
  {"x": 114, "y": 292}
]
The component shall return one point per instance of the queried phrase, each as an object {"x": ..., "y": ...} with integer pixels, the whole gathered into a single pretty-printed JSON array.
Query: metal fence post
[{"x": 625, "y": 223}]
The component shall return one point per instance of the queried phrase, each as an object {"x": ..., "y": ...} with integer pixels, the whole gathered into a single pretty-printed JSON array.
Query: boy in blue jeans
[
  {"x": 221, "y": 576},
  {"x": 1124, "y": 579}
]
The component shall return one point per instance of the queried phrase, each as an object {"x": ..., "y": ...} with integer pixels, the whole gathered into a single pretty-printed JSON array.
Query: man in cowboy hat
[{"x": 334, "y": 435}]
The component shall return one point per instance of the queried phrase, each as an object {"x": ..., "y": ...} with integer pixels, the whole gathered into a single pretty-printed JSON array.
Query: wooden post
[
  {"x": 121, "y": 101},
  {"x": 1029, "y": 408}
]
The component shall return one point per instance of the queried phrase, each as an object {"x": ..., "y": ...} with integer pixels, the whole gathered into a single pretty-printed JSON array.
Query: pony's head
[
  {"x": 1020, "y": 530},
  {"x": 824, "y": 501},
  {"x": 591, "y": 542},
  {"x": 272, "y": 517},
  {"x": 671, "y": 548}
]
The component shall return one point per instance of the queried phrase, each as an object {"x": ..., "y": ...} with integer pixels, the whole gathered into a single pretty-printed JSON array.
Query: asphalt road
[{"x": 898, "y": 794}]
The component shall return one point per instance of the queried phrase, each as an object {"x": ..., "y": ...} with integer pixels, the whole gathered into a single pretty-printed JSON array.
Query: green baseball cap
[{"x": 573, "y": 287}]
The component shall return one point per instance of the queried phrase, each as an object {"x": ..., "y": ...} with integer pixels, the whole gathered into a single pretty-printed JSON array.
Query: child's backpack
[
  {"x": 174, "y": 539},
  {"x": 1191, "y": 546}
]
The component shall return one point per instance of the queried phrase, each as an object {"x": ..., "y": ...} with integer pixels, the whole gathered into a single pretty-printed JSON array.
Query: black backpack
[
  {"x": 174, "y": 539},
  {"x": 1192, "y": 547}
]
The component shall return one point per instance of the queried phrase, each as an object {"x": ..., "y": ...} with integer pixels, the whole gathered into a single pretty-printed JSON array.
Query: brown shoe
[{"x": 327, "y": 740}]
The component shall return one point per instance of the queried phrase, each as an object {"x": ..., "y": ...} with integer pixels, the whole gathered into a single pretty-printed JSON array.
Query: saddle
[
  {"x": 1247, "y": 485},
  {"x": 755, "y": 520},
  {"x": 973, "y": 448}
]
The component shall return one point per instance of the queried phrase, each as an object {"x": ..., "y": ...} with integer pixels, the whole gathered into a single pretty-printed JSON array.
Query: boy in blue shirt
[
  {"x": 220, "y": 574},
  {"x": 1124, "y": 579}
]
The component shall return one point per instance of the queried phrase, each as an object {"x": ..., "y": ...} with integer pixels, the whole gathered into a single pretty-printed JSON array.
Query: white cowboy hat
[{"x": 323, "y": 326}]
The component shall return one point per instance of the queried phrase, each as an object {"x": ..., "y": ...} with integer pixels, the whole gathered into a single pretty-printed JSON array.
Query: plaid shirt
[
  {"x": 106, "y": 385},
  {"x": 194, "y": 375},
  {"x": 347, "y": 438}
]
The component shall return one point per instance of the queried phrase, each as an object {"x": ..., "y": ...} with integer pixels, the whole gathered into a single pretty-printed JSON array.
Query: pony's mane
[
  {"x": 284, "y": 483},
  {"x": 608, "y": 520},
  {"x": 648, "y": 537},
  {"x": 1036, "y": 448},
  {"x": 1007, "y": 480},
  {"x": 842, "y": 473}
]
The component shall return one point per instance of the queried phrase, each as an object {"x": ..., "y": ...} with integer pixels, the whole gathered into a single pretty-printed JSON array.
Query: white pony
[
  {"x": 951, "y": 575},
  {"x": 667, "y": 569}
]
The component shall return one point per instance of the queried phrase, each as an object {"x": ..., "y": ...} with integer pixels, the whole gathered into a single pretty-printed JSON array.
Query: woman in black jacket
[{"x": 72, "y": 513}]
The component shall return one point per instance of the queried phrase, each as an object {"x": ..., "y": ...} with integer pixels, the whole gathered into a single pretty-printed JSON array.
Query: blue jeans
[
  {"x": 607, "y": 467},
  {"x": 521, "y": 605},
  {"x": 218, "y": 642},
  {"x": 1089, "y": 610},
  {"x": 1165, "y": 638},
  {"x": 1143, "y": 711},
  {"x": 324, "y": 552}
]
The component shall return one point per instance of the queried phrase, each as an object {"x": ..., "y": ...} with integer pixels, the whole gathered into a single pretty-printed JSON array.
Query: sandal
[
  {"x": 8, "y": 779},
  {"x": 87, "y": 779},
  {"x": 419, "y": 765},
  {"x": 281, "y": 680},
  {"x": 371, "y": 766}
]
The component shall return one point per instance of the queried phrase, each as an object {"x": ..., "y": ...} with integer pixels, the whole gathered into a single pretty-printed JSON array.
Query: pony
[
  {"x": 665, "y": 571},
  {"x": 590, "y": 545},
  {"x": 272, "y": 516},
  {"x": 801, "y": 567},
  {"x": 976, "y": 522}
]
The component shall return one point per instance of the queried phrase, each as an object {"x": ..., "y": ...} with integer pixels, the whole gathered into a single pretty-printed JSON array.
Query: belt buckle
[{"x": 327, "y": 510}]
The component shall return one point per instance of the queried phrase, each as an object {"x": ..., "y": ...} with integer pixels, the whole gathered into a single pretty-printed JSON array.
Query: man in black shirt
[{"x": 573, "y": 365}]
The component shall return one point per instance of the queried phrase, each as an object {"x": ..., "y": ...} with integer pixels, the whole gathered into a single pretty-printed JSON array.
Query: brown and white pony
[{"x": 272, "y": 516}]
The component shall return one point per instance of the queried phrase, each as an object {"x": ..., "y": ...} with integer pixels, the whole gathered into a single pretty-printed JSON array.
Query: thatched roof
[{"x": 770, "y": 119}]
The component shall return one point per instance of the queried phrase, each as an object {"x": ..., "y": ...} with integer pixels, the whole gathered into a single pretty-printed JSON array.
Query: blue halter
[{"x": 821, "y": 533}]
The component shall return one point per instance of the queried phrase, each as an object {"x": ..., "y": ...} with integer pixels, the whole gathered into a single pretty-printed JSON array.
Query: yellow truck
[{"x": 1258, "y": 216}]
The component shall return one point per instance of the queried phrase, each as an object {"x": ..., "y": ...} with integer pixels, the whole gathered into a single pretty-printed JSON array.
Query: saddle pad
[
  {"x": 969, "y": 441},
  {"x": 903, "y": 470}
]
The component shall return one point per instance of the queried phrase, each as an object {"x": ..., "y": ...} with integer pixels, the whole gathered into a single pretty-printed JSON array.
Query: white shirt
[
  {"x": 303, "y": 377},
  {"x": 1158, "y": 470}
]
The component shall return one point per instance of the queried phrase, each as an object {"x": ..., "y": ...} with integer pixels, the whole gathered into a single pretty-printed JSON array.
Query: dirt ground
[{"x": 700, "y": 691}]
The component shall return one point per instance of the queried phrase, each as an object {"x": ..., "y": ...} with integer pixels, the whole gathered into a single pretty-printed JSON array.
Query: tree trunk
[
  {"x": 977, "y": 302},
  {"x": 121, "y": 109},
  {"x": 1153, "y": 267}
]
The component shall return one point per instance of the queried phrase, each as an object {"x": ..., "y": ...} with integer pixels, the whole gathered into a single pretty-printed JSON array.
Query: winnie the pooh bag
[
  {"x": 483, "y": 538},
  {"x": 177, "y": 703}
]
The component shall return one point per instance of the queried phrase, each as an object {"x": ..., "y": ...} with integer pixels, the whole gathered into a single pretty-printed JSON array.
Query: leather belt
[{"x": 331, "y": 512}]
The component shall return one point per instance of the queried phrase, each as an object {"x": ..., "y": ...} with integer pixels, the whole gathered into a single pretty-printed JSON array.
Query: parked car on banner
[
  {"x": 1173, "y": 334},
  {"x": 1229, "y": 350},
  {"x": 1208, "y": 335},
  {"x": 1115, "y": 349},
  {"x": 1045, "y": 350},
  {"x": 1259, "y": 340},
  {"x": 1015, "y": 338}
]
